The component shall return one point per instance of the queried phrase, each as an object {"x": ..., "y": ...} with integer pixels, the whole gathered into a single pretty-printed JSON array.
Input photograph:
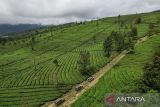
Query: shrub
[
  {"x": 138, "y": 20},
  {"x": 151, "y": 75}
]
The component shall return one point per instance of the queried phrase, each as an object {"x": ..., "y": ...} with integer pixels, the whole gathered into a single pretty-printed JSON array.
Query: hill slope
[
  {"x": 30, "y": 78},
  {"x": 121, "y": 76}
]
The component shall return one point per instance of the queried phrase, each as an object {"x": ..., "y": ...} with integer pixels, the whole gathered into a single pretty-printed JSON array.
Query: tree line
[{"x": 116, "y": 41}]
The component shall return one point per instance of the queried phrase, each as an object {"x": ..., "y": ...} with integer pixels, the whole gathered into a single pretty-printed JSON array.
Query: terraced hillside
[
  {"x": 122, "y": 77},
  {"x": 30, "y": 78}
]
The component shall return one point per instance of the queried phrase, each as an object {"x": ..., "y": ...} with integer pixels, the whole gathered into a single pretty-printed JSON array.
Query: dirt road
[{"x": 72, "y": 96}]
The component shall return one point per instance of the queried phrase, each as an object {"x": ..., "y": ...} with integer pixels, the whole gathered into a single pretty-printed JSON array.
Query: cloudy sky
[{"x": 62, "y": 11}]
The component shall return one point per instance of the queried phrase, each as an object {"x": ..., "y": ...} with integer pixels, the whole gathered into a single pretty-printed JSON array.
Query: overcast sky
[{"x": 62, "y": 11}]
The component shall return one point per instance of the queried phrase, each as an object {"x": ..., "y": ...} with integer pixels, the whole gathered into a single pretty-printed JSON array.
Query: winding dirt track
[{"x": 72, "y": 96}]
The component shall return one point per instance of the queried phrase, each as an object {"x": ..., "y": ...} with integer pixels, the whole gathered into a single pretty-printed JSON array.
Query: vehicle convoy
[
  {"x": 90, "y": 79},
  {"x": 59, "y": 101},
  {"x": 79, "y": 87}
]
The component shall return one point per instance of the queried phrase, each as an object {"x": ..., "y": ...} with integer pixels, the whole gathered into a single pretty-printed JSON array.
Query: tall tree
[
  {"x": 97, "y": 25},
  {"x": 152, "y": 73},
  {"x": 119, "y": 18},
  {"x": 119, "y": 39},
  {"x": 119, "y": 22},
  {"x": 51, "y": 31},
  {"x": 32, "y": 41},
  {"x": 107, "y": 45},
  {"x": 33, "y": 49},
  {"x": 130, "y": 39},
  {"x": 134, "y": 33},
  {"x": 132, "y": 45},
  {"x": 84, "y": 63}
]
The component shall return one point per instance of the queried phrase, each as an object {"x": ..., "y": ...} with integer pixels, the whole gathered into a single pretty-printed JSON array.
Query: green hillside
[
  {"x": 122, "y": 76},
  {"x": 30, "y": 78}
]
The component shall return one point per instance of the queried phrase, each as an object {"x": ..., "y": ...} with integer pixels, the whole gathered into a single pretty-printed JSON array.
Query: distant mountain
[
  {"x": 156, "y": 11},
  {"x": 7, "y": 28}
]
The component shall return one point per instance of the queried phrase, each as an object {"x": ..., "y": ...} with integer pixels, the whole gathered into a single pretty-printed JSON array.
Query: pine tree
[
  {"x": 134, "y": 33},
  {"x": 119, "y": 39},
  {"x": 84, "y": 63},
  {"x": 108, "y": 46},
  {"x": 119, "y": 18},
  {"x": 33, "y": 50}
]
